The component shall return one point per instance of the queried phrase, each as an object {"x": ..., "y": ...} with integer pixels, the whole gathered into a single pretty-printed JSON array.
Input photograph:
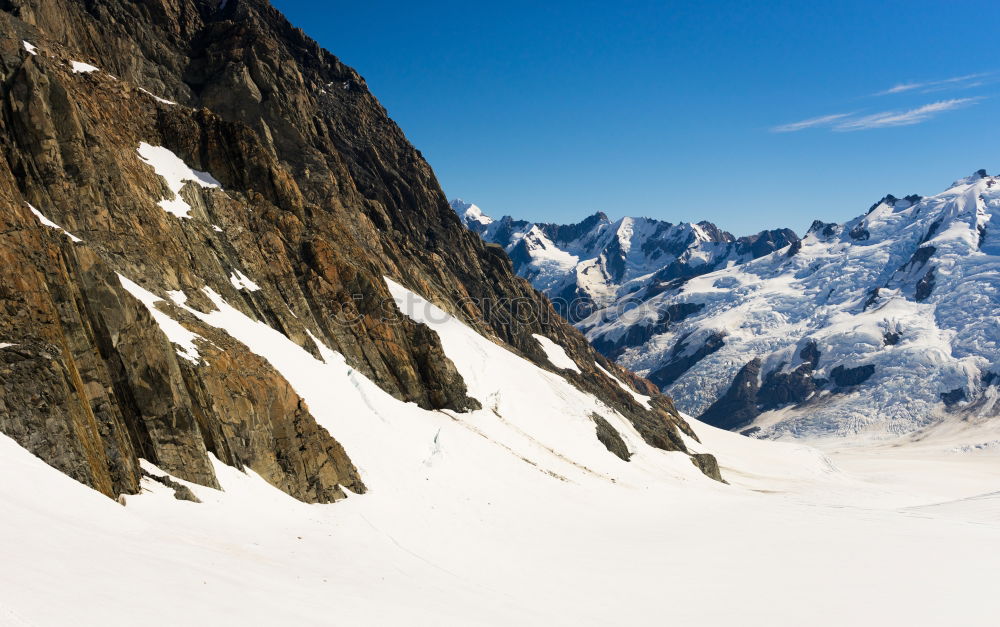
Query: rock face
[
  {"x": 155, "y": 153},
  {"x": 610, "y": 438}
]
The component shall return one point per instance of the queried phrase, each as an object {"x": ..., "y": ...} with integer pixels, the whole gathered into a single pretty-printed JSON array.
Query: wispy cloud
[
  {"x": 825, "y": 120},
  {"x": 903, "y": 117},
  {"x": 931, "y": 90},
  {"x": 926, "y": 86},
  {"x": 861, "y": 120}
]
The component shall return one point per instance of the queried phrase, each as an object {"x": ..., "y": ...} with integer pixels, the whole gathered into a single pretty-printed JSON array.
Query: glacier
[{"x": 876, "y": 327}]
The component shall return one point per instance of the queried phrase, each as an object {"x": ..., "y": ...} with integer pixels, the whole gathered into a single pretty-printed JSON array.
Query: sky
[{"x": 751, "y": 115}]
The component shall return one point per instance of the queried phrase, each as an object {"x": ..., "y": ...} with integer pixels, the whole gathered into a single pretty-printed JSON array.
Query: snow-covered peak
[
  {"x": 470, "y": 212},
  {"x": 972, "y": 179},
  {"x": 592, "y": 263}
]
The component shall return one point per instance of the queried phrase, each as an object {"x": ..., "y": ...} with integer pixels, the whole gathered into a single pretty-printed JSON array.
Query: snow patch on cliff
[
  {"x": 241, "y": 282},
  {"x": 640, "y": 398},
  {"x": 176, "y": 174},
  {"x": 556, "y": 354},
  {"x": 157, "y": 98},
  {"x": 174, "y": 331},
  {"x": 51, "y": 224},
  {"x": 79, "y": 67}
]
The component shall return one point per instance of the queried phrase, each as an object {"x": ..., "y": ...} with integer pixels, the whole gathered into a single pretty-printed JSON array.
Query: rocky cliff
[{"x": 158, "y": 155}]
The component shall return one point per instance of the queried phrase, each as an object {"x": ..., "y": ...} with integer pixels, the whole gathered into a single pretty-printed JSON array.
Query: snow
[
  {"x": 176, "y": 333},
  {"x": 176, "y": 174},
  {"x": 6, "y": 345},
  {"x": 80, "y": 67},
  {"x": 32, "y": 50},
  {"x": 470, "y": 212},
  {"x": 800, "y": 537},
  {"x": 606, "y": 260},
  {"x": 51, "y": 224},
  {"x": 640, "y": 398},
  {"x": 217, "y": 229},
  {"x": 529, "y": 414},
  {"x": 547, "y": 260},
  {"x": 512, "y": 514},
  {"x": 772, "y": 307},
  {"x": 241, "y": 282},
  {"x": 157, "y": 98},
  {"x": 556, "y": 354}
]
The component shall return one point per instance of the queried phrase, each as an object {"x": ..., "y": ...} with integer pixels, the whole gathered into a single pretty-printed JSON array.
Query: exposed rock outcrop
[{"x": 610, "y": 438}]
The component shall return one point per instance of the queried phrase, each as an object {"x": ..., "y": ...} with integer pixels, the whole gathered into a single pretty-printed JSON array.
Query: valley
[
  {"x": 797, "y": 533},
  {"x": 256, "y": 369}
]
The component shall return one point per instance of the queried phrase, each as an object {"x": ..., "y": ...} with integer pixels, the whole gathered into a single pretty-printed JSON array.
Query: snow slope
[
  {"x": 878, "y": 326},
  {"x": 530, "y": 416},
  {"x": 476, "y": 537},
  {"x": 513, "y": 514}
]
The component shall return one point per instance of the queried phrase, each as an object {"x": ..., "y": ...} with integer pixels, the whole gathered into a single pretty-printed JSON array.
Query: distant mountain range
[
  {"x": 883, "y": 324},
  {"x": 590, "y": 265}
]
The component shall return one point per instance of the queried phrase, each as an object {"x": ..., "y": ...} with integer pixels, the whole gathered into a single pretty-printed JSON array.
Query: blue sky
[{"x": 681, "y": 110}]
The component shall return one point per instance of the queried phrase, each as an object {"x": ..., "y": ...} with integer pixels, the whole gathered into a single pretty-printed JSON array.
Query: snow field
[{"x": 512, "y": 514}]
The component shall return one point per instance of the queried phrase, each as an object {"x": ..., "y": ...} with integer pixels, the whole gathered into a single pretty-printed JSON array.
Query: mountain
[
  {"x": 587, "y": 266},
  {"x": 878, "y": 326},
  {"x": 254, "y": 370},
  {"x": 206, "y": 215}
]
